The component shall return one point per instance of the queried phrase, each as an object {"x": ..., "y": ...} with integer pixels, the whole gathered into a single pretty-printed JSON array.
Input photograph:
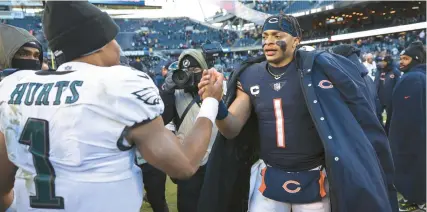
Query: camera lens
[{"x": 180, "y": 77}]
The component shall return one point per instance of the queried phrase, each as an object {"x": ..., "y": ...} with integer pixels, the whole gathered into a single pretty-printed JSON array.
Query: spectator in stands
[
  {"x": 370, "y": 65},
  {"x": 385, "y": 80},
  {"x": 20, "y": 50},
  {"x": 407, "y": 133}
]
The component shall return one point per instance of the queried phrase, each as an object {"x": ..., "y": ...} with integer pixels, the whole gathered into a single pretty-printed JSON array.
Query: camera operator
[{"x": 182, "y": 85}]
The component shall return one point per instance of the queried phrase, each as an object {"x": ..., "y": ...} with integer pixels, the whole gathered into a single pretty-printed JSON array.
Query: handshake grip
[{"x": 211, "y": 84}]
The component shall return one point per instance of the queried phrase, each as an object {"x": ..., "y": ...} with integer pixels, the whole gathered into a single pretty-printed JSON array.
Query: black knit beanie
[
  {"x": 76, "y": 28},
  {"x": 416, "y": 51}
]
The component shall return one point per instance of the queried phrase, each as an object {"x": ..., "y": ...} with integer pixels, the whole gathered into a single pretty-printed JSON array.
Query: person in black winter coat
[
  {"x": 385, "y": 80},
  {"x": 407, "y": 133}
]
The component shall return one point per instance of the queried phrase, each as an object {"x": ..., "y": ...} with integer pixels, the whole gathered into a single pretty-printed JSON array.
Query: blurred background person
[
  {"x": 19, "y": 49},
  {"x": 370, "y": 65},
  {"x": 385, "y": 80}
]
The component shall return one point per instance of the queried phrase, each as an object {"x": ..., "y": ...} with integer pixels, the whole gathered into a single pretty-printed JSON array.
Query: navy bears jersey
[{"x": 289, "y": 139}]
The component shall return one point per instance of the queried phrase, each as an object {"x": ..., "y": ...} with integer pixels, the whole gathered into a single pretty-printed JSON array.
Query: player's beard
[{"x": 408, "y": 67}]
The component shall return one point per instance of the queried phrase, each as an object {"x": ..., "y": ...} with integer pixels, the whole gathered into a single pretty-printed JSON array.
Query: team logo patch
[
  {"x": 292, "y": 182},
  {"x": 148, "y": 95},
  {"x": 273, "y": 20},
  {"x": 68, "y": 68},
  {"x": 325, "y": 84},
  {"x": 254, "y": 90},
  {"x": 186, "y": 63},
  {"x": 277, "y": 85}
]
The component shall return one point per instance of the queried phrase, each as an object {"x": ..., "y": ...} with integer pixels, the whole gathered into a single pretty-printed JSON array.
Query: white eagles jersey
[{"x": 64, "y": 131}]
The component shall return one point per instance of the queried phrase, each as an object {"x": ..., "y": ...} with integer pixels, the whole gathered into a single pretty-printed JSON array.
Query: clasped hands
[{"x": 211, "y": 84}]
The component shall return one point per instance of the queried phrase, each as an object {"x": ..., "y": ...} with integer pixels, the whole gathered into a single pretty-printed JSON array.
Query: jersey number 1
[
  {"x": 280, "y": 123},
  {"x": 36, "y": 135}
]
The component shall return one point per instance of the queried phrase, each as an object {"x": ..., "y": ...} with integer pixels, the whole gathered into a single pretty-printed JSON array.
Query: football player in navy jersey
[
  {"x": 309, "y": 134},
  {"x": 289, "y": 141}
]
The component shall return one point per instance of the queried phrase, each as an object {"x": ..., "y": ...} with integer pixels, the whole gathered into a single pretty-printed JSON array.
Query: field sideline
[{"x": 170, "y": 198}]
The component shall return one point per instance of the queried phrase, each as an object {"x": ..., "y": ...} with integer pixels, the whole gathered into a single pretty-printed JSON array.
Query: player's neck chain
[{"x": 275, "y": 75}]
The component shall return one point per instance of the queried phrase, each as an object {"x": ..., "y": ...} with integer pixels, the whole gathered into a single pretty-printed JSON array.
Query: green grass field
[{"x": 170, "y": 198}]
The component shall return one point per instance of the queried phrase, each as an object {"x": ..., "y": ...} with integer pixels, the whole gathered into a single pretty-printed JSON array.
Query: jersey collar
[{"x": 73, "y": 66}]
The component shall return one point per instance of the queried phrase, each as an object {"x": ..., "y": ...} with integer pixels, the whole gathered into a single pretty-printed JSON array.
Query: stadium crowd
[
  {"x": 184, "y": 33},
  {"x": 384, "y": 70}
]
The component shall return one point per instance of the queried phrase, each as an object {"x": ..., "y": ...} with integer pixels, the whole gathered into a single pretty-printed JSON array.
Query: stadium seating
[
  {"x": 183, "y": 33},
  {"x": 275, "y": 7},
  {"x": 140, "y": 34}
]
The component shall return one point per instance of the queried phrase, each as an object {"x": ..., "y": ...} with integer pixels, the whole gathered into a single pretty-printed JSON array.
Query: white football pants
[{"x": 259, "y": 203}]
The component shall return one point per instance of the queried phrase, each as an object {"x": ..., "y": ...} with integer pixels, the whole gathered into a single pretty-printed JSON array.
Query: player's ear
[{"x": 296, "y": 41}]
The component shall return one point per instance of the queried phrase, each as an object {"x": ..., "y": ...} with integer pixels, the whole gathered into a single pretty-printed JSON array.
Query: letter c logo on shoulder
[
  {"x": 326, "y": 84},
  {"x": 254, "y": 90},
  {"x": 292, "y": 191}
]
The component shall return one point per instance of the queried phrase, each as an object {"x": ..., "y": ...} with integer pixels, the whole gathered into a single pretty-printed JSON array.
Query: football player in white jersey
[{"x": 71, "y": 132}]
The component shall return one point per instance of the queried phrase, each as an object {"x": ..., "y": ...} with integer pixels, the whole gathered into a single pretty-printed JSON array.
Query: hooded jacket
[
  {"x": 357, "y": 153},
  {"x": 408, "y": 134},
  {"x": 11, "y": 39}
]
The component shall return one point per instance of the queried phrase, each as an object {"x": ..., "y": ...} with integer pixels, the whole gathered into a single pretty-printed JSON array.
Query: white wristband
[{"x": 209, "y": 109}]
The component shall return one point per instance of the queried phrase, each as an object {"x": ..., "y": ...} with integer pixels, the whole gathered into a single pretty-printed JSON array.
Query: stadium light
[{"x": 314, "y": 41}]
